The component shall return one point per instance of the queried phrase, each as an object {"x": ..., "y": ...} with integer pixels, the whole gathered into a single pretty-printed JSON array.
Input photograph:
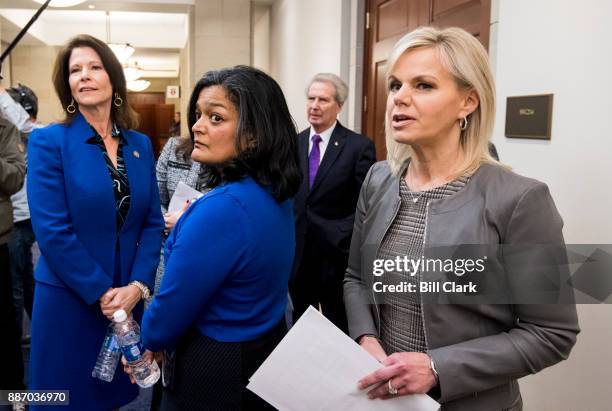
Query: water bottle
[
  {"x": 127, "y": 332},
  {"x": 108, "y": 358}
]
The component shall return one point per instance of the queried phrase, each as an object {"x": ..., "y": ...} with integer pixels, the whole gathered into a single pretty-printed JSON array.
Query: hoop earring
[
  {"x": 118, "y": 100},
  {"x": 71, "y": 109},
  {"x": 463, "y": 123}
]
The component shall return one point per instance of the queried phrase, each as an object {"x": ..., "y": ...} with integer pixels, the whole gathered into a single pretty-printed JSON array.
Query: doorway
[{"x": 155, "y": 117}]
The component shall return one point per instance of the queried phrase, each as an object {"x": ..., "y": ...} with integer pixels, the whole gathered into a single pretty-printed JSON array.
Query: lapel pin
[
  {"x": 336, "y": 143},
  {"x": 136, "y": 154}
]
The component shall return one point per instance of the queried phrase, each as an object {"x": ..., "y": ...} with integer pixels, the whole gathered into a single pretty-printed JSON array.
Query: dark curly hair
[{"x": 266, "y": 137}]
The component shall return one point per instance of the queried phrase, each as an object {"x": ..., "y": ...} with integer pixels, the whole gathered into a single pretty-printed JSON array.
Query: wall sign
[
  {"x": 172, "y": 91},
  {"x": 529, "y": 116}
]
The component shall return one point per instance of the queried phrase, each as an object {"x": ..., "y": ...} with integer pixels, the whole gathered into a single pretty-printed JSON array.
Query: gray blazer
[
  {"x": 479, "y": 350},
  {"x": 171, "y": 169}
]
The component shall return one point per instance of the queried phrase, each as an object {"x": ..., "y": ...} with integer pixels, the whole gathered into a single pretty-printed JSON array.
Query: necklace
[{"x": 415, "y": 199}]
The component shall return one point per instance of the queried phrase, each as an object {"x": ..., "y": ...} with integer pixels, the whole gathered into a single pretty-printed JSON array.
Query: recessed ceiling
[
  {"x": 9, "y": 30},
  {"x": 163, "y": 6},
  {"x": 157, "y": 63},
  {"x": 158, "y": 29}
]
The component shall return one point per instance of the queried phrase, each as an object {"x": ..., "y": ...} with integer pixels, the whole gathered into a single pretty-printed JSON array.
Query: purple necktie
[{"x": 313, "y": 158}]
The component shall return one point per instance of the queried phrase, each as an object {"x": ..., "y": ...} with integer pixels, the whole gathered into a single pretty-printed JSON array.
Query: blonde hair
[{"x": 467, "y": 61}]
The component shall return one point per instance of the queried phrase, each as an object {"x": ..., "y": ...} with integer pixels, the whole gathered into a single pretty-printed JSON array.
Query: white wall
[
  {"x": 33, "y": 66},
  {"x": 261, "y": 37},
  {"x": 561, "y": 47},
  {"x": 221, "y": 35},
  {"x": 354, "y": 105},
  {"x": 186, "y": 75},
  {"x": 307, "y": 38}
]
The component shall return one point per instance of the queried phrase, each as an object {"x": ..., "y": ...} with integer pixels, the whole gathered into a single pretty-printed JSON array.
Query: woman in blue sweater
[{"x": 222, "y": 300}]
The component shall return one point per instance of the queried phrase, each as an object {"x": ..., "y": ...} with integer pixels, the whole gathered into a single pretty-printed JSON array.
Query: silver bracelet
[{"x": 146, "y": 293}]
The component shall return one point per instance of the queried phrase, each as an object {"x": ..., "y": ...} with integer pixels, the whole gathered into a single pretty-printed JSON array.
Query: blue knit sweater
[{"x": 228, "y": 262}]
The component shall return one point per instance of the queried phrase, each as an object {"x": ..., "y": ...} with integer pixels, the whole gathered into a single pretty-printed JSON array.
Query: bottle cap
[{"x": 119, "y": 316}]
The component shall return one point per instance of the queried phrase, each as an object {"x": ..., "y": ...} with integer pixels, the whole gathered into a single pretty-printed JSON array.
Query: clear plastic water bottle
[
  {"x": 127, "y": 332},
  {"x": 108, "y": 358}
]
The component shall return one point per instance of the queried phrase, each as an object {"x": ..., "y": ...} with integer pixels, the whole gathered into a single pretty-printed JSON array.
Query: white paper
[
  {"x": 182, "y": 193},
  {"x": 316, "y": 367}
]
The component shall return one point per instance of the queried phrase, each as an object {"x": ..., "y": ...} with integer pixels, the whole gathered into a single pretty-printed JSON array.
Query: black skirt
[{"x": 212, "y": 375}]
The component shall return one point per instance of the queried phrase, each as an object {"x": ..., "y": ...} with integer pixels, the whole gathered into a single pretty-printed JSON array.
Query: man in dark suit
[{"x": 334, "y": 162}]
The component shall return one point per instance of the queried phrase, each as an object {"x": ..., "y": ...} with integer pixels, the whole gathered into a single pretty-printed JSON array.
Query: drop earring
[
  {"x": 71, "y": 109},
  {"x": 118, "y": 100}
]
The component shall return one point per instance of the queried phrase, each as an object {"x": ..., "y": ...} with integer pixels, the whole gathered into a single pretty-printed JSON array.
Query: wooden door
[
  {"x": 155, "y": 121},
  {"x": 146, "y": 97},
  {"x": 386, "y": 22},
  {"x": 164, "y": 119},
  {"x": 471, "y": 15},
  {"x": 146, "y": 124}
]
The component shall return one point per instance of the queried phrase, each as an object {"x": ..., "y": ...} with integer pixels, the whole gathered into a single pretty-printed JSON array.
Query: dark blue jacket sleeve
[
  {"x": 209, "y": 244},
  {"x": 150, "y": 239},
  {"x": 61, "y": 248},
  {"x": 367, "y": 157}
]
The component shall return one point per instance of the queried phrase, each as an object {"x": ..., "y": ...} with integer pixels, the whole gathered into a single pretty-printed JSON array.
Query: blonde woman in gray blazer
[{"x": 493, "y": 320}]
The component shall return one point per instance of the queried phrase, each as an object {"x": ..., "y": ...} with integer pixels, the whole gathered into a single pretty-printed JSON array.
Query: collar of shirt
[
  {"x": 115, "y": 132},
  {"x": 325, "y": 137}
]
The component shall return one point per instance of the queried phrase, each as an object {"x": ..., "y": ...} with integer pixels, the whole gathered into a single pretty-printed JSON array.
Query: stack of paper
[
  {"x": 316, "y": 367},
  {"x": 182, "y": 193}
]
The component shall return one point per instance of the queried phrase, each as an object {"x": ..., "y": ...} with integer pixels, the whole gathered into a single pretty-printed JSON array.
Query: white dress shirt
[{"x": 325, "y": 136}]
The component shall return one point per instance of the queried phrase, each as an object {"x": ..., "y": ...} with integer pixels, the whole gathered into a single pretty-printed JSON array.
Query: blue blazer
[{"x": 72, "y": 207}]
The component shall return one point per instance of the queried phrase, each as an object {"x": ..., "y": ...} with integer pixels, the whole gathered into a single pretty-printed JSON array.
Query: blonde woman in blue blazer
[{"x": 95, "y": 210}]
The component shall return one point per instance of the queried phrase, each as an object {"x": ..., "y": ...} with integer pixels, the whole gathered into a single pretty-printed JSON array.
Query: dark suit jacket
[{"x": 325, "y": 213}]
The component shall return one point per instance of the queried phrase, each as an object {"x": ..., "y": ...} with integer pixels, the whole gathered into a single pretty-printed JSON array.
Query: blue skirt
[{"x": 66, "y": 336}]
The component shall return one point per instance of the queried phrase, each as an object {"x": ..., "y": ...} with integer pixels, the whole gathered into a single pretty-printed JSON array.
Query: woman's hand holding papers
[{"x": 406, "y": 372}]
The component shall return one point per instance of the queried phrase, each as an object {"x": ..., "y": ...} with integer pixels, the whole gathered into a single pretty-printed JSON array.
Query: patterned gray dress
[{"x": 401, "y": 320}]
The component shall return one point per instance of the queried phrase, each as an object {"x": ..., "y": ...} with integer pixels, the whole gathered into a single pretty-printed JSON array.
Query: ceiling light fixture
[
  {"x": 123, "y": 51},
  {"x": 138, "y": 85},
  {"x": 132, "y": 72},
  {"x": 61, "y": 3}
]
